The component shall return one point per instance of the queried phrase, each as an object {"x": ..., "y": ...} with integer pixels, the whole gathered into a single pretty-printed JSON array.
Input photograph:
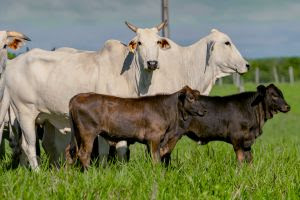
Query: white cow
[
  {"x": 13, "y": 40},
  {"x": 39, "y": 84}
]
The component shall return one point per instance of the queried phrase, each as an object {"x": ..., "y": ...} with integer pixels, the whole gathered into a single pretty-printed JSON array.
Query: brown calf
[{"x": 150, "y": 120}]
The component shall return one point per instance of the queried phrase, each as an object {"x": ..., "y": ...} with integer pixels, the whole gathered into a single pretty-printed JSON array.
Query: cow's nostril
[
  {"x": 152, "y": 63},
  {"x": 248, "y": 66},
  {"x": 288, "y": 107}
]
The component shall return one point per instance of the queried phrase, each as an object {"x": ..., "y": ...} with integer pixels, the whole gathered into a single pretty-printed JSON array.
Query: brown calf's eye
[
  {"x": 4, "y": 47},
  {"x": 159, "y": 42},
  {"x": 139, "y": 43},
  {"x": 227, "y": 43}
]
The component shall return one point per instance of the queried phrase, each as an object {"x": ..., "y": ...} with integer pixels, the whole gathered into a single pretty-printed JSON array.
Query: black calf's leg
[
  {"x": 166, "y": 159},
  {"x": 248, "y": 155}
]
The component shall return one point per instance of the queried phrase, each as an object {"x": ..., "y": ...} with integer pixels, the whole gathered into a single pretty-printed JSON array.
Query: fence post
[
  {"x": 257, "y": 75},
  {"x": 220, "y": 81},
  {"x": 233, "y": 79},
  {"x": 291, "y": 74},
  {"x": 237, "y": 80},
  {"x": 275, "y": 74},
  {"x": 241, "y": 85}
]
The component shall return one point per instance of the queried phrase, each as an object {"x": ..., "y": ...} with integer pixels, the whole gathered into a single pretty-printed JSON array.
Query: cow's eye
[
  {"x": 274, "y": 97},
  {"x": 4, "y": 47},
  {"x": 228, "y": 43},
  {"x": 158, "y": 42},
  {"x": 139, "y": 43}
]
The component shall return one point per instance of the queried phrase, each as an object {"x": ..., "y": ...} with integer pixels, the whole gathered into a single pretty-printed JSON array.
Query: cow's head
[
  {"x": 147, "y": 43},
  {"x": 190, "y": 104},
  {"x": 10, "y": 39},
  {"x": 273, "y": 100},
  {"x": 222, "y": 53}
]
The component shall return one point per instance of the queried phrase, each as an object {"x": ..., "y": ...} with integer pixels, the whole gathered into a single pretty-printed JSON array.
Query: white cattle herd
[{"x": 39, "y": 84}]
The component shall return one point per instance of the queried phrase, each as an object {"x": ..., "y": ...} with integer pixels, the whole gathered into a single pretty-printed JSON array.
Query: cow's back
[
  {"x": 123, "y": 118},
  {"x": 48, "y": 79}
]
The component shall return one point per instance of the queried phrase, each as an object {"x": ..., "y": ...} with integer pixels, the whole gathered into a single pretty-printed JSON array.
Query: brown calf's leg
[
  {"x": 165, "y": 151},
  {"x": 154, "y": 149},
  {"x": 70, "y": 159},
  {"x": 86, "y": 149}
]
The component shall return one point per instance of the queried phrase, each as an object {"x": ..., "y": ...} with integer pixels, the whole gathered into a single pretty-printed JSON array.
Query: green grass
[{"x": 197, "y": 172}]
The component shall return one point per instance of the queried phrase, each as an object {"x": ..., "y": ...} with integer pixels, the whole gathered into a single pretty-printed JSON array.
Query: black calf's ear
[
  {"x": 261, "y": 89},
  {"x": 261, "y": 93}
]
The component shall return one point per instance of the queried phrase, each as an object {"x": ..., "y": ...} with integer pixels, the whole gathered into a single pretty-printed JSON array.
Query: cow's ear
[
  {"x": 182, "y": 97},
  {"x": 261, "y": 89},
  {"x": 209, "y": 49},
  {"x": 261, "y": 93},
  {"x": 132, "y": 46},
  {"x": 186, "y": 93},
  {"x": 15, "y": 43},
  {"x": 15, "y": 40},
  {"x": 164, "y": 44}
]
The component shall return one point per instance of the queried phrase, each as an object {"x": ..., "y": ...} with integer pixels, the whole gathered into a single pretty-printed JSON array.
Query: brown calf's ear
[
  {"x": 164, "y": 44},
  {"x": 132, "y": 46},
  {"x": 196, "y": 92}
]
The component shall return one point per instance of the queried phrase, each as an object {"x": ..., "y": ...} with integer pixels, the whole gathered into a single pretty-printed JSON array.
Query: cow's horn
[
  {"x": 17, "y": 34},
  {"x": 161, "y": 25},
  {"x": 131, "y": 26},
  {"x": 214, "y": 30}
]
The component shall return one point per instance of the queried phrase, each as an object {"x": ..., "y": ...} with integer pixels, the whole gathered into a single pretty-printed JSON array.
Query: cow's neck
[
  {"x": 260, "y": 116},
  {"x": 3, "y": 60},
  {"x": 142, "y": 77},
  {"x": 194, "y": 59}
]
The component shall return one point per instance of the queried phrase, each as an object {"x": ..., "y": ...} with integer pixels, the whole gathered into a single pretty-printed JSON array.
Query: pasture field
[{"x": 196, "y": 172}]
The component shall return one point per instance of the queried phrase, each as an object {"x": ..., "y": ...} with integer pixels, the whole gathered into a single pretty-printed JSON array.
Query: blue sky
[{"x": 259, "y": 28}]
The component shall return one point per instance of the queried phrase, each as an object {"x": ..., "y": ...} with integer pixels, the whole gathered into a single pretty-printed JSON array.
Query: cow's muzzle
[
  {"x": 152, "y": 64},
  {"x": 285, "y": 108}
]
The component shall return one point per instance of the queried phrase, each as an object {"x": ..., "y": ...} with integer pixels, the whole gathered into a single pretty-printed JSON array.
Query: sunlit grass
[{"x": 196, "y": 172}]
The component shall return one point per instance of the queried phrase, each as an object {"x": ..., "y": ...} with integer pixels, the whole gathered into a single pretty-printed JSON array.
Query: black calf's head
[
  {"x": 190, "y": 103},
  {"x": 273, "y": 100}
]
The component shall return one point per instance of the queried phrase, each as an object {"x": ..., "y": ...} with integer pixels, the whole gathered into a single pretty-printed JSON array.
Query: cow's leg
[
  {"x": 154, "y": 149},
  {"x": 16, "y": 143},
  {"x": 165, "y": 151},
  {"x": 103, "y": 148},
  {"x": 122, "y": 151},
  {"x": 27, "y": 123},
  {"x": 85, "y": 149},
  {"x": 2, "y": 144},
  {"x": 240, "y": 155},
  {"x": 248, "y": 155}
]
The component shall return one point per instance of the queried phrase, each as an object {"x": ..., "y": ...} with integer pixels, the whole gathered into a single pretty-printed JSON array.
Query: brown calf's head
[
  {"x": 190, "y": 103},
  {"x": 273, "y": 100}
]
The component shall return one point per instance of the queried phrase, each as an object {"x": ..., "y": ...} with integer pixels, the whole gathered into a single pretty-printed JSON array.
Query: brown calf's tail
[{"x": 72, "y": 149}]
